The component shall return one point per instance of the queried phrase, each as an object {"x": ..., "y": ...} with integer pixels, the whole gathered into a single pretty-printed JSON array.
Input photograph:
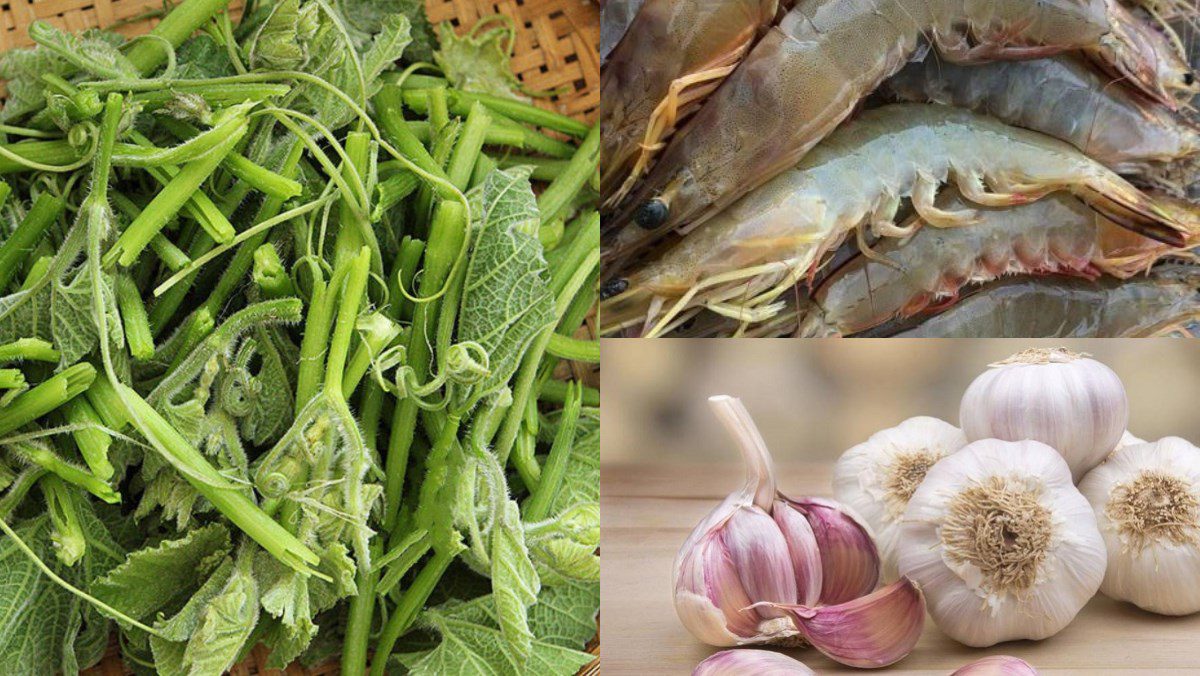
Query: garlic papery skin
[
  {"x": 869, "y": 632},
  {"x": 746, "y": 661},
  {"x": 1002, "y": 543},
  {"x": 997, "y": 665},
  {"x": 877, "y": 477},
  {"x": 1072, "y": 403},
  {"x": 1147, "y": 503},
  {"x": 759, "y": 548}
]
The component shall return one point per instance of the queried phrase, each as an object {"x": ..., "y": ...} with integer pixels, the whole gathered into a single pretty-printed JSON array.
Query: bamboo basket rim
[{"x": 556, "y": 50}]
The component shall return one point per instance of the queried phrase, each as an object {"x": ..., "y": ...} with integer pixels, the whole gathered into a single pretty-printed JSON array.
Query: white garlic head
[
  {"x": 1147, "y": 503},
  {"x": 1002, "y": 543},
  {"x": 877, "y": 477},
  {"x": 1064, "y": 399}
]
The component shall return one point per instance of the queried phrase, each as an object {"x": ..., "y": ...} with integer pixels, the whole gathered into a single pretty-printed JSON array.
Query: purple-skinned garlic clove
[
  {"x": 868, "y": 632},
  {"x": 997, "y": 665},
  {"x": 849, "y": 558},
  {"x": 742, "y": 662},
  {"x": 804, "y": 551}
]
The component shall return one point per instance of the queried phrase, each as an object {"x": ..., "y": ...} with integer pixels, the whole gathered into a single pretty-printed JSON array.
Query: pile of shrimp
[{"x": 1008, "y": 168}]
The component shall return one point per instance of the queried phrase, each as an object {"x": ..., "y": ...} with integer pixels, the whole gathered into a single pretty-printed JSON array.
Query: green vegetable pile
[{"x": 283, "y": 334}]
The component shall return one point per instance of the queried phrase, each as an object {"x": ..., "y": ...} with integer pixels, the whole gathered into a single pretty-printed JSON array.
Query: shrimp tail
[{"x": 1135, "y": 211}]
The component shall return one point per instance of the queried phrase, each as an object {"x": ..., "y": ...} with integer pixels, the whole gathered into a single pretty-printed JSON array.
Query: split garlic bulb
[
  {"x": 877, "y": 477},
  {"x": 750, "y": 661},
  {"x": 763, "y": 567},
  {"x": 1002, "y": 543},
  {"x": 1064, "y": 399},
  {"x": 1147, "y": 502}
]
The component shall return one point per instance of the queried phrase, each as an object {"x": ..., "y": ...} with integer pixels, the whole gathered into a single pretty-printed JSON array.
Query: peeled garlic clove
[
  {"x": 1002, "y": 543},
  {"x": 877, "y": 477},
  {"x": 804, "y": 550},
  {"x": 849, "y": 558},
  {"x": 997, "y": 665},
  {"x": 750, "y": 661},
  {"x": 868, "y": 632},
  {"x": 1147, "y": 502},
  {"x": 737, "y": 556},
  {"x": 1074, "y": 404}
]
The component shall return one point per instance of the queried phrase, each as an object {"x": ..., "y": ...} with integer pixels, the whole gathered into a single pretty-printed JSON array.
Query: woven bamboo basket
[{"x": 556, "y": 51}]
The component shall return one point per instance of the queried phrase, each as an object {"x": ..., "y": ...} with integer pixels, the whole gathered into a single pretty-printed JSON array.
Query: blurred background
[{"x": 813, "y": 399}]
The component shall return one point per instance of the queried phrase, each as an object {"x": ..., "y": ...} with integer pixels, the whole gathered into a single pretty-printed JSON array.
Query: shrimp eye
[
  {"x": 651, "y": 215},
  {"x": 613, "y": 287},
  {"x": 1188, "y": 78}
]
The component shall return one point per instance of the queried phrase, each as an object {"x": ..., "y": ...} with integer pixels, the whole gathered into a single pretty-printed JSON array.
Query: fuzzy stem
[
  {"x": 47, "y": 396},
  {"x": 353, "y": 290},
  {"x": 230, "y": 500},
  {"x": 177, "y": 26},
  {"x": 563, "y": 189},
  {"x": 538, "y": 506},
  {"x": 93, "y": 443},
  {"x": 28, "y": 349},
  {"x": 33, "y": 227},
  {"x": 133, "y": 316}
]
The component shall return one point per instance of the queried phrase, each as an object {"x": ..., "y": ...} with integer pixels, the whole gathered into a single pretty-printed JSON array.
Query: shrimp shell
[
  {"x": 615, "y": 19},
  {"x": 674, "y": 55},
  {"x": 1059, "y": 96},
  {"x": 1144, "y": 57},
  {"x": 806, "y": 76},
  {"x": 1055, "y": 235},
  {"x": 776, "y": 234},
  {"x": 1163, "y": 302}
]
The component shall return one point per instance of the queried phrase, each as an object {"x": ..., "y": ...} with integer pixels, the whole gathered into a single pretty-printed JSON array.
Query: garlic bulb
[
  {"x": 877, "y": 477},
  {"x": 1002, "y": 543},
  {"x": 997, "y": 665},
  {"x": 751, "y": 661},
  {"x": 1074, "y": 404},
  {"x": 754, "y": 570},
  {"x": 1147, "y": 502}
]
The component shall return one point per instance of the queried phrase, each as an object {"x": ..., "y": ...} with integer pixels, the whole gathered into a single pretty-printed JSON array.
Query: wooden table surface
[{"x": 648, "y": 510}]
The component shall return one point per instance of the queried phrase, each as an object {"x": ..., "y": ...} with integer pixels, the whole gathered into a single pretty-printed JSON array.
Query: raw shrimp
[
  {"x": 674, "y": 55},
  {"x": 1060, "y": 96},
  {"x": 1164, "y": 302},
  {"x": 615, "y": 18},
  {"x": 1143, "y": 56},
  {"x": 740, "y": 261},
  {"x": 806, "y": 75},
  {"x": 1055, "y": 235}
]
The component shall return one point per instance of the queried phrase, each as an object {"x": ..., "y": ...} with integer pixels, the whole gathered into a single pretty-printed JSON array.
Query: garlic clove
[
  {"x": 849, "y": 559},
  {"x": 997, "y": 665},
  {"x": 804, "y": 550},
  {"x": 750, "y": 661},
  {"x": 761, "y": 557},
  {"x": 868, "y": 632},
  {"x": 709, "y": 598}
]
